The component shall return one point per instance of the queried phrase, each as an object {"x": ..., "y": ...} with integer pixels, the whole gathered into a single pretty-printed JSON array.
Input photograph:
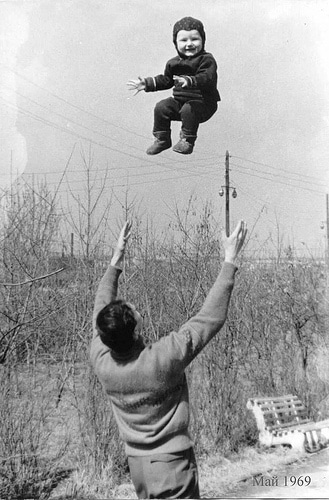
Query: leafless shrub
[{"x": 29, "y": 467}]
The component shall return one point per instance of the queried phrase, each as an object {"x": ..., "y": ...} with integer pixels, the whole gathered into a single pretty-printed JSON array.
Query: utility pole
[
  {"x": 72, "y": 245},
  {"x": 325, "y": 224},
  {"x": 227, "y": 193},
  {"x": 327, "y": 219}
]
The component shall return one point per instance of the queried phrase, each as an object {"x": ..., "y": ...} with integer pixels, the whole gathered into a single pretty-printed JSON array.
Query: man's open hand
[
  {"x": 233, "y": 243},
  {"x": 121, "y": 244}
]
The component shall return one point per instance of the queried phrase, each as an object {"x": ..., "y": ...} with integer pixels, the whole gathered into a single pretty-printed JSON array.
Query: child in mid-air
[{"x": 193, "y": 74}]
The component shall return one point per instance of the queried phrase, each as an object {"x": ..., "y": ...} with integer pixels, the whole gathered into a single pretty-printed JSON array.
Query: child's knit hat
[{"x": 188, "y": 24}]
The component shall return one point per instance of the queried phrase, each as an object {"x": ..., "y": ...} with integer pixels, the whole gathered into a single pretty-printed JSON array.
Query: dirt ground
[{"x": 308, "y": 478}]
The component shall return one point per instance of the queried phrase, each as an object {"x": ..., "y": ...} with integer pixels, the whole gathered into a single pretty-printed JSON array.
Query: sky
[{"x": 64, "y": 65}]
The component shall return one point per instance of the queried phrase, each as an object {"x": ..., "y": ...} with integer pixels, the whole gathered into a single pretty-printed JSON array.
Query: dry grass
[
  {"x": 82, "y": 484},
  {"x": 219, "y": 475}
]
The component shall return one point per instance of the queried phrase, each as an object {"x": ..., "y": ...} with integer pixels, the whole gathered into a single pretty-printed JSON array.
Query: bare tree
[
  {"x": 28, "y": 239},
  {"x": 89, "y": 214}
]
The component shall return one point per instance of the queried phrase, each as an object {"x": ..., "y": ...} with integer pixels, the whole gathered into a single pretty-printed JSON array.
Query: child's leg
[
  {"x": 192, "y": 114},
  {"x": 164, "y": 112},
  {"x": 195, "y": 112}
]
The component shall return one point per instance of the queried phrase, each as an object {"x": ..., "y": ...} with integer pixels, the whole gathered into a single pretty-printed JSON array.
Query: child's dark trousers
[{"x": 190, "y": 113}]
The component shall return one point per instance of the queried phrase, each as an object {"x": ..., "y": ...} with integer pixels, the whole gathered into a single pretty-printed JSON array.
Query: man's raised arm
[
  {"x": 201, "y": 328},
  {"x": 108, "y": 286}
]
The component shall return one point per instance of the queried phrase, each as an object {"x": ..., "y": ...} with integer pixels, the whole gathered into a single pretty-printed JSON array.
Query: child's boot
[
  {"x": 162, "y": 142},
  {"x": 185, "y": 144}
]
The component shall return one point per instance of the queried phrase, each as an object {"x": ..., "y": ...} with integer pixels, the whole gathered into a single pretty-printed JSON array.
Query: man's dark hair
[{"x": 116, "y": 324}]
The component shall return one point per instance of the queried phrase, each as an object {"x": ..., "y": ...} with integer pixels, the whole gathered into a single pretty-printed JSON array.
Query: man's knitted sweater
[
  {"x": 148, "y": 387},
  {"x": 200, "y": 73}
]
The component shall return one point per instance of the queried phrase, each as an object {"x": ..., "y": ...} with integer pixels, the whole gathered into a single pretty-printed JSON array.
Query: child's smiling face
[{"x": 189, "y": 43}]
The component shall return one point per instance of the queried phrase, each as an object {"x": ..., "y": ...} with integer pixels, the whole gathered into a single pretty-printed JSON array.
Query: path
[{"x": 313, "y": 469}]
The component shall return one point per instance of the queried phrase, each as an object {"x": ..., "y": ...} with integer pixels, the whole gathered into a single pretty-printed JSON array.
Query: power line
[
  {"x": 274, "y": 168},
  {"x": 127, "y": 167},
  {"x": 276, "y": 180},
  {"x": 131, "y": 184},
  {"x": 54, "y": 125},
  {"x": 257, "y": 200},
  {"x": 90, "y": 140},
  {"x": 78, "y": 108},
  {"x": 83, "y": 110},
  {"x": 71, "y": 104},
  {"x": 189, "y": 175},
  {"x": 59, "y": 127},
  {"x": 265, "y": 205},
  {"x": 300, "y": 177},
  {"x": 77, "y": 123},
  {"x": 211, "y": 172},
  {"x": 251, "y": 174},
  {"x": 67, "y": 119}
]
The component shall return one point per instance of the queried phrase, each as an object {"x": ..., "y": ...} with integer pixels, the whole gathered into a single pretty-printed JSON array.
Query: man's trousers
[{"x": 165, "y": 475}]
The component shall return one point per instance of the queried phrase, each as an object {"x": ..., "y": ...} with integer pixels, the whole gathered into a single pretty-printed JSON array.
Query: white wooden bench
[{"x": 283, "y": 420}]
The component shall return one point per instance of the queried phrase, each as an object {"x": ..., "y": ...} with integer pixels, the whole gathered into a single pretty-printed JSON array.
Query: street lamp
[{"x": 234, "y": 193}]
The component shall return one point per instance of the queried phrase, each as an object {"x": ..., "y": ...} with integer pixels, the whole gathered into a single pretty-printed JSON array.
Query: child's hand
[
  {"x": 180, "y": 81},
  {"x": 136, "y": 85}
]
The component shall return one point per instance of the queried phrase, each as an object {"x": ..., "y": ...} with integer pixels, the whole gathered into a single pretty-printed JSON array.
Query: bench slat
[
  {"x": 286, "y": 425},
  {"x": 275, "y": 398},
  {"x": 284, "y": 418},
  {"x": 283, "y": 409},
  {"x": 280, "y": 404}
]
